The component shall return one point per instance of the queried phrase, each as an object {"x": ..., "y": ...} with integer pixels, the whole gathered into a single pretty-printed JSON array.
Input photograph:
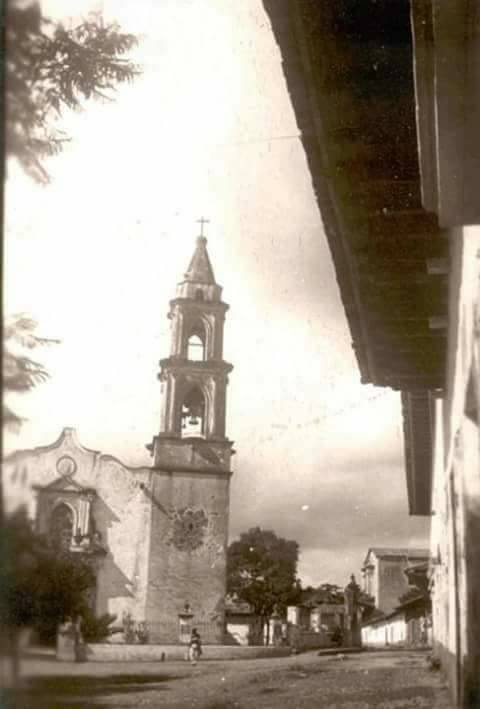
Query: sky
[{"x": 206, "y": 130}]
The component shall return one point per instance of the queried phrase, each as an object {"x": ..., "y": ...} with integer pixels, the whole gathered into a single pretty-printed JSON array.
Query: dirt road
[{"x": 380, "y": 680}]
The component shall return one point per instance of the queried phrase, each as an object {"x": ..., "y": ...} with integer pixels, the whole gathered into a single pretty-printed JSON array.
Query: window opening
[
  {"x": 196, "y": 344},
  {"x": 196, "y": 349}
]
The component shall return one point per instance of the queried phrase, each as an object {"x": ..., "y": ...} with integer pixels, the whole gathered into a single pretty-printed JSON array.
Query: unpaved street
[{"x": 380, "y": 680}]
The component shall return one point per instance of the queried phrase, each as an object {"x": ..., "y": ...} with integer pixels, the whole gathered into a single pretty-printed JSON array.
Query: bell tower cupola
[{"x": 194, "y": 377}]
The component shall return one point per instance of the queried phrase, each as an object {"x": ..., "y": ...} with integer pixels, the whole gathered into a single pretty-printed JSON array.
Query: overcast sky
[{"x": 208, "y": 129}]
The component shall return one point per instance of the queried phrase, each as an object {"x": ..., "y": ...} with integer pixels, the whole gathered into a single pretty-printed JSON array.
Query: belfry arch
[{"x": 193, "y": 413}]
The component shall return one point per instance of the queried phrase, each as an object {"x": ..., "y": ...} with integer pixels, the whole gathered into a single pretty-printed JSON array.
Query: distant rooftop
[
  {"x": 237, "y": 607},
  {"x": 391, "y": 551},
  {"x": 399, "y": 552}
]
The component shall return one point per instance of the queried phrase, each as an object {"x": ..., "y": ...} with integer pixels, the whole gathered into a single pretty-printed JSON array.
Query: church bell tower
[{"x": 191, "y": 468}]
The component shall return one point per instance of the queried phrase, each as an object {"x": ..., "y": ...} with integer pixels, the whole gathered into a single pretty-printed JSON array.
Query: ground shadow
[
  {"x": 230, "y": 639},
  {"x": 74, "y": 692}
]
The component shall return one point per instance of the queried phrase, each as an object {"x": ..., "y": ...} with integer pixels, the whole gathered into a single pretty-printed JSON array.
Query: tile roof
[{"x": 400, "y": 551}]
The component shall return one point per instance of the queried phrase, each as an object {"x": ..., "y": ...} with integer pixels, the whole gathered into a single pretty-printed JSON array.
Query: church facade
[{"x": 157, "y": 535}]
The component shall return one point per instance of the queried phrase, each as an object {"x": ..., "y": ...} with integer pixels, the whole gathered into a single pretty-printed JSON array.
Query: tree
[
  {"x": 325, "y": 593},
  {"x": 40, "y": 585},
  {"x": 21, "y": 373},
  {"x": 261, "y": 571},
  {"x": 49, "y": 69}
]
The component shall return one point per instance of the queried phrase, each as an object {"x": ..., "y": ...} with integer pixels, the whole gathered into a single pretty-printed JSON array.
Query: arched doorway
[{"x": 61, "y": 526}]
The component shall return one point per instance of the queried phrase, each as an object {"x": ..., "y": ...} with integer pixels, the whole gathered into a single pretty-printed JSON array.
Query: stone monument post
[
  {"x": 353, "y": 635},
  {"x": 185, "y": 625}
]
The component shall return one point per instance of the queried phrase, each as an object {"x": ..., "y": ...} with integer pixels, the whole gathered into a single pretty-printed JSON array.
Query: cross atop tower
[{"x": 202, "y": 221}]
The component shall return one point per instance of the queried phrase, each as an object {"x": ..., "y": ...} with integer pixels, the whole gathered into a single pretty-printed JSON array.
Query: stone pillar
[{"x": 353, "y": 634}]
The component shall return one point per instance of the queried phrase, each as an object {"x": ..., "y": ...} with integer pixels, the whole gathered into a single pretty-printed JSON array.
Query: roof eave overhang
[
  {"x": 298, "y": 72},
  {"x": 354, "y": 250},
  {"x": 446, "y": 42}
]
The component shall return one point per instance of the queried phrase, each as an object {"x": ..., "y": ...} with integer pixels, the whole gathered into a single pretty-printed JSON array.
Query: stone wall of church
[
  {"x": 187, "y": 564},
  {"x": 123, "y": 513},
  {"x": 118, "y": 510}
]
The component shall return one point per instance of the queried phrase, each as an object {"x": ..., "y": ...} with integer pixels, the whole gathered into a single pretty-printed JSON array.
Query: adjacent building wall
[
  {"x": 389, "y": 631},
  {"x": 455, "y": 527}
]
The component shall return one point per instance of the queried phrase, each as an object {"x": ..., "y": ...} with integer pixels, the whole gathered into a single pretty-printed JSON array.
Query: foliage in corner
[
  {"x": 51, "y": 68},
  {"x": 39, "y": 586},
  {"x": 20, "y": 372}
]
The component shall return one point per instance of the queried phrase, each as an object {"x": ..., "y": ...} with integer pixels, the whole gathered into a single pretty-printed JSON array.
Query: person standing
[{"x": 195, "y": 647}]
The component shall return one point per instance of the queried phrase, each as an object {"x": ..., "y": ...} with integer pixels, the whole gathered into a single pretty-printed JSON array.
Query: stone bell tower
[{"x": 191, "y": 470}]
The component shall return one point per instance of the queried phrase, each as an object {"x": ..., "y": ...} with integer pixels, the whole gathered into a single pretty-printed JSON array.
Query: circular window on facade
[{"x": 66, "y": 466}]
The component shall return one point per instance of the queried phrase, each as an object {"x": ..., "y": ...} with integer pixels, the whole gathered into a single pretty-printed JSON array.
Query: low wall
[
  {"x": 106, "y": 652},
  {"x": 308, "y": 639},
  {"x": 383, "y": 633}
]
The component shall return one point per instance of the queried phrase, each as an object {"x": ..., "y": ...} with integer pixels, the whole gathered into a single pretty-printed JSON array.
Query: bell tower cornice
[
  {"x": 199, "y": 303},
  {"x": 182, "y": 364}
]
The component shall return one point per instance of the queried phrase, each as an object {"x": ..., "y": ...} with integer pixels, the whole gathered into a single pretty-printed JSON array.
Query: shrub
[{"x": 96, "y": 629}]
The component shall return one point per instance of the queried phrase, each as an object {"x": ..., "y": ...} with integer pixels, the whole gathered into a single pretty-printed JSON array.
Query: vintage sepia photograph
[{"x": 241, "y": 354}]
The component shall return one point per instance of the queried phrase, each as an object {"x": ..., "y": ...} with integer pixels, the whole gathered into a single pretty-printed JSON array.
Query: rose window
[{"x": 189, "y": 528}]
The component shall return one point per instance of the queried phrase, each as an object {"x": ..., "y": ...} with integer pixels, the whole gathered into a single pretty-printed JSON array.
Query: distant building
[
  {"x": 157, "y": 536},
  {"x": 384, "y": 575},
  {"x": 409, "y": 623},
  {"x": 317, "y": 616},
  {"x": 318, "y": 620}
]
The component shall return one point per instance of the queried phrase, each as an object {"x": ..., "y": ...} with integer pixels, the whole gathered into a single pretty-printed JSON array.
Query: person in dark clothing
[{"x": 195, "y": 647}]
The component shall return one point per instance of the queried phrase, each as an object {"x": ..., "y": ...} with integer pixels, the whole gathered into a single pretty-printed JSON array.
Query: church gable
[
  {"x": 64, "y": 485},
  {"x": 65, "y": 458}
]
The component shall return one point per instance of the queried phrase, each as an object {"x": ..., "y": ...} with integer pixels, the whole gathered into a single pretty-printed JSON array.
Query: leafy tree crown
[{"x": 261, "y": 570}]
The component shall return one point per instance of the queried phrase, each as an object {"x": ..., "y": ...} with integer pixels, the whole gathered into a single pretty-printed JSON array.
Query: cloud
[{"x": 347, "y": 513}]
